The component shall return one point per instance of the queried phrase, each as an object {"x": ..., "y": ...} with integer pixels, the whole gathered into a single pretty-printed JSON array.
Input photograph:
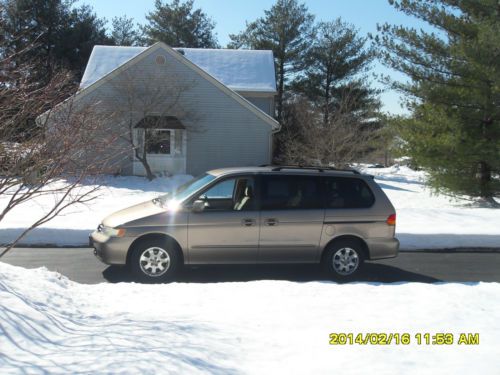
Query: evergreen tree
[
  {"x": 124, "y": 32},
  {"x": 336, "y": 63},
  {"x": 34, "y": 22},
  {"x": 179, "y": 25},
  {"x": 287, "y": 30},
  {"x": 454, "y": 93},
  {"x": 84, "y": 32},
  {"x": 54, "y": 33}
]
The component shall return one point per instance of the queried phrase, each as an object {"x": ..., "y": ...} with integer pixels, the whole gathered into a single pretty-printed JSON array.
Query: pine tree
[
  {"x": 179, "y": 25},
  {"x": 287, "y": 30},
  {"x": 36, "y": 23},
  {"x": 337, "y": 63},
  {"x": 454, "y": 93},
  {"x": 124, "y": 32},
  {"x": 55, "y": 34},
  {"x": 43, "y": 39},
  {"x": 85, "y": 31}
]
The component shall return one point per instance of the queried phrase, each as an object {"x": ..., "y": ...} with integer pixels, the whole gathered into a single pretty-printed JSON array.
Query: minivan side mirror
[{"x": 198, "y": 206}]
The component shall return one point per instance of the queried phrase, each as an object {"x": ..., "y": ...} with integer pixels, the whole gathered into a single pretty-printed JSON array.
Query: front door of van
[
  {"x": 227, "y": 230},
  {"x": 291, "y": 219}
]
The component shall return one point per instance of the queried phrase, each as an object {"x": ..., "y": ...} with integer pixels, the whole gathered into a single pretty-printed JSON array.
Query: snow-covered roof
[{"x": 240, "y": 70}]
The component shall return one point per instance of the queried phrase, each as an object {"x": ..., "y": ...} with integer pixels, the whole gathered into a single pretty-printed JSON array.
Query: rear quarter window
[{"x": 346, "y": 192}]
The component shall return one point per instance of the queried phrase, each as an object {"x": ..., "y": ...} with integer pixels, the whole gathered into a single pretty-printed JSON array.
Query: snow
[
  {"x": 105, "y": 59},
  {"x": 240, "y": 70},
  {"x": 424, "y": 220},
  {"x": 431, "y": 221},
  {"x": 50, "y": 324},
  {"x": 73, "y": 226}
]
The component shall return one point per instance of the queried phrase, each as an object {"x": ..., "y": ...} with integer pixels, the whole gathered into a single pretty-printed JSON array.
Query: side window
[
  {"x": 291, "y": 192},
  {"x": 222, "y": 190},
  {"x": 345, "y": 192},
  {"x": 233, "y": 194}
]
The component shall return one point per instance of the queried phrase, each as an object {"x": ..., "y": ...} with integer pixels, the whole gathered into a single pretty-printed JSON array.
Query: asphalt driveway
[{"x": 79, "y": 264}]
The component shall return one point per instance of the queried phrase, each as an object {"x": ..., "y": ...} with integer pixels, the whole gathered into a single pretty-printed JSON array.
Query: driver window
[
  {"x": 222, "y": 190},
  {"x": 233, "y": 194}
]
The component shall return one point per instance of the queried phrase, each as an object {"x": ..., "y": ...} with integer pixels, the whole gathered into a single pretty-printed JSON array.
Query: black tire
[
  {"x": 342, "y": 251},
  {"x": 159, "y": 251}
]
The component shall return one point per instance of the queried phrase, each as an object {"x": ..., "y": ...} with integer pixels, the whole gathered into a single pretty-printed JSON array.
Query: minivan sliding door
[{"x": 291, "y": 218}]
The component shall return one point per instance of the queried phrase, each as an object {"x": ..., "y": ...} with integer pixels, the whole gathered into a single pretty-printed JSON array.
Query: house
[{"x": 191, "y": 110}]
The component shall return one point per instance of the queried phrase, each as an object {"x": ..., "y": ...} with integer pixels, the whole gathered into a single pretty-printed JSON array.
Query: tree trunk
[
  {"x": 281, "y": 86},
  {"x": 326, "y": 113},
  {"x": 149, "y": 173},
  {"x": 484, "y": 180},
  {"x": 144, "y": 161}
]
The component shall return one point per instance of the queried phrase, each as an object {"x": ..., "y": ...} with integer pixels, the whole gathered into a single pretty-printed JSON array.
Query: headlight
[{"x": 111, "y": 232}]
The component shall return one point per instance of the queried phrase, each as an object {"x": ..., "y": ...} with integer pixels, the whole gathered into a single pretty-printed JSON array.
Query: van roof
[{"x": 285, "y": 169}]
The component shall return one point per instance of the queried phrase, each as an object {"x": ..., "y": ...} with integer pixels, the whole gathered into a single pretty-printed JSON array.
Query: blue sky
[{"x": 230, "y": 17}]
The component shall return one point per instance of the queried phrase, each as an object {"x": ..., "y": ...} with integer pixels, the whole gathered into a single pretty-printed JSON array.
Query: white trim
[
  {"x": 162, "y": 159},
  {"x": 256, "y": 94}
]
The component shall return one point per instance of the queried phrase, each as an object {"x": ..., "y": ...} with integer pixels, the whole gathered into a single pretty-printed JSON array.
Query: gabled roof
[
  {"x": 128, "y": 61},
  {"x": 240, "y": 70}
]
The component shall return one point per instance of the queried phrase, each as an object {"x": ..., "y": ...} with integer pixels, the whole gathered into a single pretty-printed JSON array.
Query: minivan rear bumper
[{"x": 380, "y": 248}]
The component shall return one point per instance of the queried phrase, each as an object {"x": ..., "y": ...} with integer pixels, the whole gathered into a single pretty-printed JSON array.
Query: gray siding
[
  {"x": 221, "y": 132},
  {"x": 265, "y": 104}
]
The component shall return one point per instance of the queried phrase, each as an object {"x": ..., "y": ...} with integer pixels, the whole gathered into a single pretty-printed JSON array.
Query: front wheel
[
  {"x": 154, "y": 261},
  {"x": 343, "y": 259}
]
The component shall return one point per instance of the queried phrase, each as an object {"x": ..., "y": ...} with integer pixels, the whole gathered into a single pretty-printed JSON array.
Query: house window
[{"x": 158, "y": 141}]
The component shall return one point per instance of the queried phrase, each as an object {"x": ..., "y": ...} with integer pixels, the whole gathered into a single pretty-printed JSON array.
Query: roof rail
[{"x": 276, "y": 168}]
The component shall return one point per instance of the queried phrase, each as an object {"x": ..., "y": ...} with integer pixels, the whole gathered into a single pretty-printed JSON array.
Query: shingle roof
[{"x": 240, "y": 70}]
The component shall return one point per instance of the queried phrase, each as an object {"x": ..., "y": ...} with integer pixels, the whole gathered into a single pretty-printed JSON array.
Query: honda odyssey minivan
[{"x": 254, "y": 215}]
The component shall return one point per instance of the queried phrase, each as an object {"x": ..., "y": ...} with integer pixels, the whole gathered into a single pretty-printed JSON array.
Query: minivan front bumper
[
  {"x": 381, "y": 248},
  {"x": 110, "y": 250}
]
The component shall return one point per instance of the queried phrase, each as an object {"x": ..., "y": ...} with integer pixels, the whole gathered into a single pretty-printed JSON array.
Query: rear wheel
[
  {"x": 155, "y": 261},
  {"x": 343, "y": 259}
]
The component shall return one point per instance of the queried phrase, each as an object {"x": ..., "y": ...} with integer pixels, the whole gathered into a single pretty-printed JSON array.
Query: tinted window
[
  {"x": 290, "y": 192},
  {"x": 342, "y": 192}
]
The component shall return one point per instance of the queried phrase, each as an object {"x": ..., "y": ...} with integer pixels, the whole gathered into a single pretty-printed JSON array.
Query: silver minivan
[{"x": 254, "y": 215}]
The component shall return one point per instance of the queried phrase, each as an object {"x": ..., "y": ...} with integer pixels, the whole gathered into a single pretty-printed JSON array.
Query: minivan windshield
[{"x": 185, "y": 190}]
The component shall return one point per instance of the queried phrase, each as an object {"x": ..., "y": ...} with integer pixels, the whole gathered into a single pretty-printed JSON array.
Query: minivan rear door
[{"x": 291, "y": 219}]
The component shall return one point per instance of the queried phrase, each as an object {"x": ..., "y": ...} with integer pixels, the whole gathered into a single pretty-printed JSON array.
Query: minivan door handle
[
  {"x": 271, "y": 222},
  {"x": 248, "y": 222}
]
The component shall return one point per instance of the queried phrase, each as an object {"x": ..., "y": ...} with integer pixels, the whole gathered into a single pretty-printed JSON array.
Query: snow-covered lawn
[
  {"x": 429, "y": 221},
  {"x": 424, "y": 221},
  {"x": 49, "y": 324}
]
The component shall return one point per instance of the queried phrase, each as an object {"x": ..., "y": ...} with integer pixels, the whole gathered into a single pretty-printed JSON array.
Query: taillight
[{"x": 391, "y": 220}]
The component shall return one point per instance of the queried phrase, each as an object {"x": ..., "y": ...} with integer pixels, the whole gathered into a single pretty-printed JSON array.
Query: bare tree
[
  {"x": 58, "y": 155},
  {"x": 308, "y": 140},
  {"x": 149, "y": 99}
]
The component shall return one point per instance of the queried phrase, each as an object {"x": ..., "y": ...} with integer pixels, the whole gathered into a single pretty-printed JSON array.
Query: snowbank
[
  {"x": 52, "y": 325},
  {"x": 425, "y": 221}
]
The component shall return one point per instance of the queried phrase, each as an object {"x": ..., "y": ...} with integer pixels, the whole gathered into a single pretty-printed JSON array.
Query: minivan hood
[{"x": 129, "y": 214}]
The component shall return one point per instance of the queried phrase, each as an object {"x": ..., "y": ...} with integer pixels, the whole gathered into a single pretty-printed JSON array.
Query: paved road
[{"x": 81, "y": 265}]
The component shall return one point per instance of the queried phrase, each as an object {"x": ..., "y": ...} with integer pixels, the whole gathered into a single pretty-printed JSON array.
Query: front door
[
  {"x": 227, "y": 231},
  {"x": 291, "y": 220}
]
